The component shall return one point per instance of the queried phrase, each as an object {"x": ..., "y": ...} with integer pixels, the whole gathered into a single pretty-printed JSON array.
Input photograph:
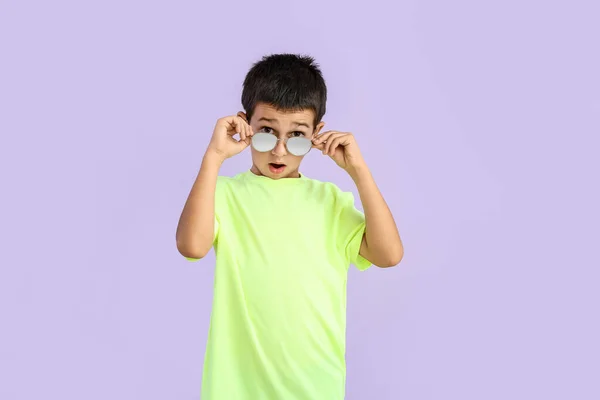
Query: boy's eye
[{"x": 266, "y": 129}]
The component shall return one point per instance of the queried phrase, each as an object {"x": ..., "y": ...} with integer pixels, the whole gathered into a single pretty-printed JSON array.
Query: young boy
[{"x": 283, "y": 241}]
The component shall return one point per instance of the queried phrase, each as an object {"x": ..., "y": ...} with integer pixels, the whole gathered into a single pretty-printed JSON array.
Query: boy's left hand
[{"x": 341, "y": 147}]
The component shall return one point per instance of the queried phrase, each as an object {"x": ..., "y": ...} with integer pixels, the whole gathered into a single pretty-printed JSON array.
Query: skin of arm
[
  {"x": 381, "y": 243},
  {"x": 195, "y": 230}
]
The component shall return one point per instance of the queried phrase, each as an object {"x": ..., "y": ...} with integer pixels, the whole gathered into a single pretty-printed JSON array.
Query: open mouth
[{"x": 276, "y": 168}]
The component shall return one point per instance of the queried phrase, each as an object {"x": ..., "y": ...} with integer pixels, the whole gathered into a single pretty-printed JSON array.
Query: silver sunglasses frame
[{"x": 277, "y": 141}]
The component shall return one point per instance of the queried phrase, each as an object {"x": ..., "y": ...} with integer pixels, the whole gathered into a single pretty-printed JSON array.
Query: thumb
[
  {"x": 319, "y": 146},
  {"x": 244, "y": 143}
]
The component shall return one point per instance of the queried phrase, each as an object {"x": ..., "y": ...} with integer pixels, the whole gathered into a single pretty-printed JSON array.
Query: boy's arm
[
  {"x": 381, "y": 243},
  {"x": 195, "y": 230}
]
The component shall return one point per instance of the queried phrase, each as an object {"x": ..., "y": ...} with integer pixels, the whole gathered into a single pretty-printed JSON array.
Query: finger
[
  {"x": 246, "y": 128},
  {"x": 332, "y": 145},
  {"x": 318, "y": 146},
  {"x": 330, "y": 139},
  {"x": 325, "y": 141},
  {"x": 323, "y": 136},
  {"x": 243, "y": 143},
  {"x": 231, "y": 127},
  {"x": 339, "y": 141},
  {"x": 239, "y": 128},
  {"x": 235, "y": 129}
]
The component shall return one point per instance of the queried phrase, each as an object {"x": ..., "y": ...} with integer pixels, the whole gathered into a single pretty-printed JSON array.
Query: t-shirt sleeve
[{"x": 351, "y": 228}]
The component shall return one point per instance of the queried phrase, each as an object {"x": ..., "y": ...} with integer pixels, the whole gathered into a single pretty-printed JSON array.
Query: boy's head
[{"x": 284, "y": 94}]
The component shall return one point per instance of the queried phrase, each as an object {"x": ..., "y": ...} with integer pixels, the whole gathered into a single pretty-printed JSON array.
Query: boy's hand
[
  {"x": 223, "y": 143},
  {"x": 342, "y": 147}
]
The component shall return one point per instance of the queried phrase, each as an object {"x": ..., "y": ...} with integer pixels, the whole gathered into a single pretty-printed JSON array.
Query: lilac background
[{"x": 479, "y": 120}]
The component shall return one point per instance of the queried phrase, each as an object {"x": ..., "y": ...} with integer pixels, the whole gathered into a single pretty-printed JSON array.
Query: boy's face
[{"x": 283, "y": 125}]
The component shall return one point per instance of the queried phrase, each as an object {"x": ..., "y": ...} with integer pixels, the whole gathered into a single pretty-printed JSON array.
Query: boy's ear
[
  {"x": 318, "y": 128},
  {"x": 242, "y": 115}
]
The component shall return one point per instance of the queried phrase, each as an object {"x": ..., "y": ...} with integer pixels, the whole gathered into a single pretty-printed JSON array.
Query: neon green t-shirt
[{"x": 278, "y": 323}]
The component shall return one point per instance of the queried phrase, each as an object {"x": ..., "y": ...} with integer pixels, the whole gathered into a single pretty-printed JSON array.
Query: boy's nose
[{"x": 280, "y": 149}]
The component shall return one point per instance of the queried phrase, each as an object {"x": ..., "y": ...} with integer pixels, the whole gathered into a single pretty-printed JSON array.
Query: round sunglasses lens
[
  {"x": 263, "y": 141},
  {"x": 299, "y": 146}
]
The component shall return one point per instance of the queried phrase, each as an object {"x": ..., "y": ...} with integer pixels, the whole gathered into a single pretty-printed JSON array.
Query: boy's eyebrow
[{"x": 273, "y": 120}]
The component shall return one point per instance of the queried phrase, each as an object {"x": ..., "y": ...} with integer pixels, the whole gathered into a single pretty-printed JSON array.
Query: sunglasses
[{"x": 297, "y": 146}]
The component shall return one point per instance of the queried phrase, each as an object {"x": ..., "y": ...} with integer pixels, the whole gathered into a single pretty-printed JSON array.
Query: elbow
[
  {"x": 193, "y": 255},
  {"x": 394, "y": 259},
  {"x": 190, "y": 252}
]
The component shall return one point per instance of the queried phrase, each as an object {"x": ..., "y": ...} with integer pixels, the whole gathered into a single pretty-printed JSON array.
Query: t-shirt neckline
[{"x": 248, "y": 174}]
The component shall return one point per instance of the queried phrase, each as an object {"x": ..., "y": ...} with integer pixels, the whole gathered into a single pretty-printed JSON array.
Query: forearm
[
  {"x": 195, "y": 230},
  {"x": 381, "y": 233}
]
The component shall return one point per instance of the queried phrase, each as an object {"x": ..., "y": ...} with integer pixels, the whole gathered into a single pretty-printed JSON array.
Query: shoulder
[
  {"x": 224, "y": 181},
  {"x": 331, "y": 191}
]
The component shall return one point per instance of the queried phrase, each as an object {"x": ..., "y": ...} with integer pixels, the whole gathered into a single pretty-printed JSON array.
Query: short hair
[{"x": 288, "y": 82}]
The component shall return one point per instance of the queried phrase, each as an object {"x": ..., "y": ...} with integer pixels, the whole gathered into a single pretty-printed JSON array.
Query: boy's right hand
[{"x": 223, "y": 143}]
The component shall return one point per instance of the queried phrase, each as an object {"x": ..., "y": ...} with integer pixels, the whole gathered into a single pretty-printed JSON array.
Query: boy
[{"x": 283, "y": 241}]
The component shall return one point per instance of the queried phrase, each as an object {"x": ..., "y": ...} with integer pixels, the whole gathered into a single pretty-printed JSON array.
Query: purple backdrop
[{"x": 480, "y": 123}]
